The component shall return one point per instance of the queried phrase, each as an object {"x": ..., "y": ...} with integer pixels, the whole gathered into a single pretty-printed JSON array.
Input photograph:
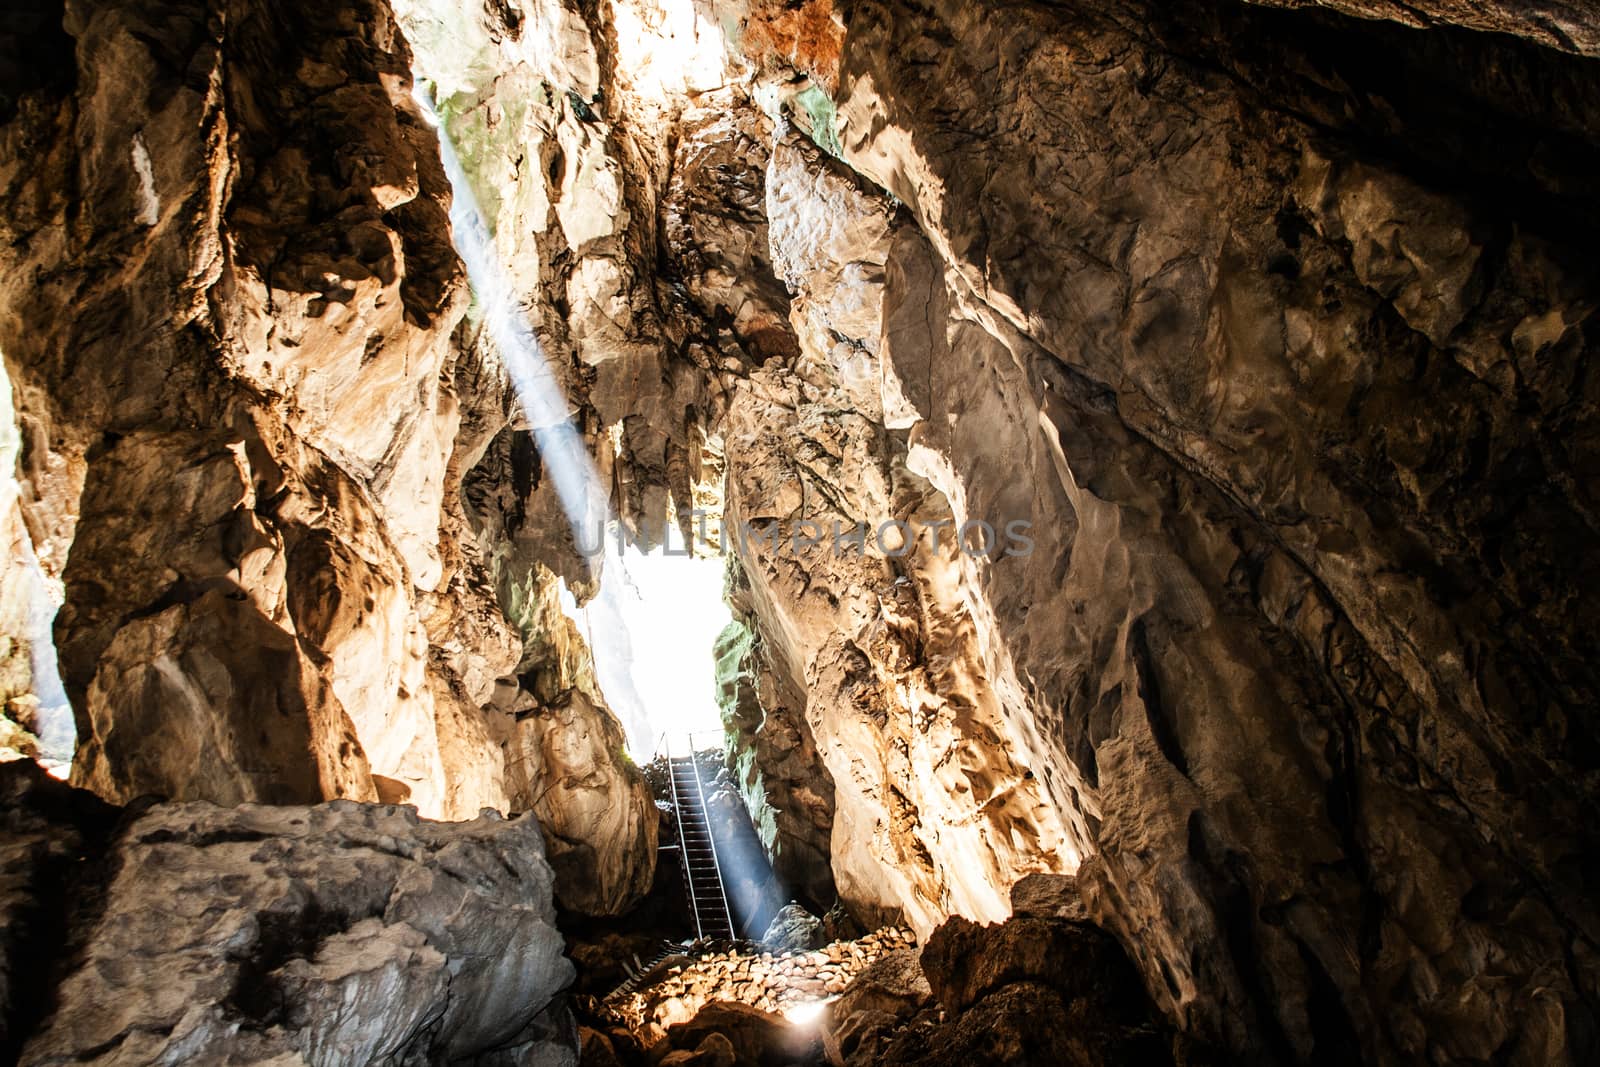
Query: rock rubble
[{"x": 771, "y": 982}]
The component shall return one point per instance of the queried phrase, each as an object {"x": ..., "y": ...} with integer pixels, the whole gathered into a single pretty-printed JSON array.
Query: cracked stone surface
[{"x": 340, "y": 933}]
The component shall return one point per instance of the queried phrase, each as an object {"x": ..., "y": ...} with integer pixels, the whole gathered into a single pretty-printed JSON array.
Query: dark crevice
[
  {"x": 1162, "y": 714},
  {"x": 65, "y": 874}
]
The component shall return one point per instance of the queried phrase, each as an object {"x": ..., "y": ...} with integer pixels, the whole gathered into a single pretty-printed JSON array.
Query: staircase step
[{"x": 701, "y": 875}]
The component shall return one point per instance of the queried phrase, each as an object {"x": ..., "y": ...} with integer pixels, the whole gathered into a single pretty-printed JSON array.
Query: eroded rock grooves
[{"x": 1272, "y": 322}]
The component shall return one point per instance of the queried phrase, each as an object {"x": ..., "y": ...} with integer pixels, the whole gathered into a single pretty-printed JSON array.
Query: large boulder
[
  {"x": 966, "y": 962},
  {"x": 1028, "y": 1024},
  {"x": 1040, "y": 990},
  {"x": 1048, "y": 896},
  {"x": 755, "y": 1038},
  {"x": 1050, "y": 992},
  {"x": 868, "y": 1014},
  {"x": 334, "y": 934},
  {"x": 793, "y": 929}
]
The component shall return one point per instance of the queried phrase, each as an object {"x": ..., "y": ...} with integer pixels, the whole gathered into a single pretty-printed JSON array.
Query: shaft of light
[{"x": 543, "y": 403}]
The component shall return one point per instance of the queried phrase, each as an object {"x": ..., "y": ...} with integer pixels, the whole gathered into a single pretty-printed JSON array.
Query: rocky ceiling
[{"x": 1240, "y": 353}]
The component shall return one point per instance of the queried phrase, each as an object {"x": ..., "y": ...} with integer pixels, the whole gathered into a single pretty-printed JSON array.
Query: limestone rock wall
[
  {"x": 1281, "y": 398},
  {"x": 521, "y": 92},
  {"x": 250, "y": 389},
  {"x": 932, "y": 814},
  {"x": 1282, "y": 357},
  {"x": 862, "y": 733},
  {"x": 565, "y": 762},
  {"x": 229, "y": 303}
]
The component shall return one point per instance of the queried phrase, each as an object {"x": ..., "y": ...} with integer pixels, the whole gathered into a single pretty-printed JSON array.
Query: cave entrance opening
[
  {"x": 652, "y": 624},
  {"x": 35, "y": 717},
  {"x": 651, "y": 628}
]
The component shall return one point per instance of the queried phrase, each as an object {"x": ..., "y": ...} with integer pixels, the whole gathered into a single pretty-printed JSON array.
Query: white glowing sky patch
[
  {"x": 29, "y": 606},
  {"x": 670, "y": 608},
  {"x": 652, "y": 624},
  {"x": 670, "y": 48}
]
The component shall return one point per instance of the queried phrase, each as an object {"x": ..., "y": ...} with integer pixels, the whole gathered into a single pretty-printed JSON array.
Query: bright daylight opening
[
  {"x": 662, "y": 689},
  {"x": 30, "y": 681}
]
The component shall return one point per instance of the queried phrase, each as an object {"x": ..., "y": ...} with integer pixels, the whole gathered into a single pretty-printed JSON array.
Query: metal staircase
[
  {"x": 642, "y": 970},
  {"x": 701, "y": 871}
]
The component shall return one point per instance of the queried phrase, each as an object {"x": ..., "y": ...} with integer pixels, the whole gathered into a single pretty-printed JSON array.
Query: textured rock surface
[
  {"x": 515, "y": 89},
  {"x": 565, "y": 763},
  {"x": 336, "y": 933},
  {"x": 870, "y": 1012},
  {"x": 1273, "y": 320},
  {"x": 1566, "y": 24},
  {"x": 1041, "y": 991},
  {"x": 1268, "y": 664},
  {"x": 228, "y": 311},
  {"x": 793, "y": 929},
  {"x": 749, "y": 1035},
  {"x": 1298, "y": 547},
  {"x": 932, "y": 814},
  {"x": 31, "y": 703},
  {"x": 242, "y": 446},
  {"x": 1047, "y": 896}
]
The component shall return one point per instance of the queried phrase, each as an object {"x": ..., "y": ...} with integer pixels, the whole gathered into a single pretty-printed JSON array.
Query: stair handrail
[
  {"x": 711, "y": 835},
  {"x": 683, "y": 841}
]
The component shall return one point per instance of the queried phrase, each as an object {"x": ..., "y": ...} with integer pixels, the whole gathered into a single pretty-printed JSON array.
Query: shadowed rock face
[
  {"x": 49, "y": 834},
  {"x": 1554, "y": 23},
  {"x": 1302, "y": 430},
  {"x": 1045, "y": 988}
]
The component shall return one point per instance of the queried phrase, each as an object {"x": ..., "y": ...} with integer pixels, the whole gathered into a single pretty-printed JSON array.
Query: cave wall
[
  {"x": 249, "y": 386},
  {"x": 227, "y": 322},
  {"x": 1299, "y": 405},
  {"x": 1272, "y": 324}
]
